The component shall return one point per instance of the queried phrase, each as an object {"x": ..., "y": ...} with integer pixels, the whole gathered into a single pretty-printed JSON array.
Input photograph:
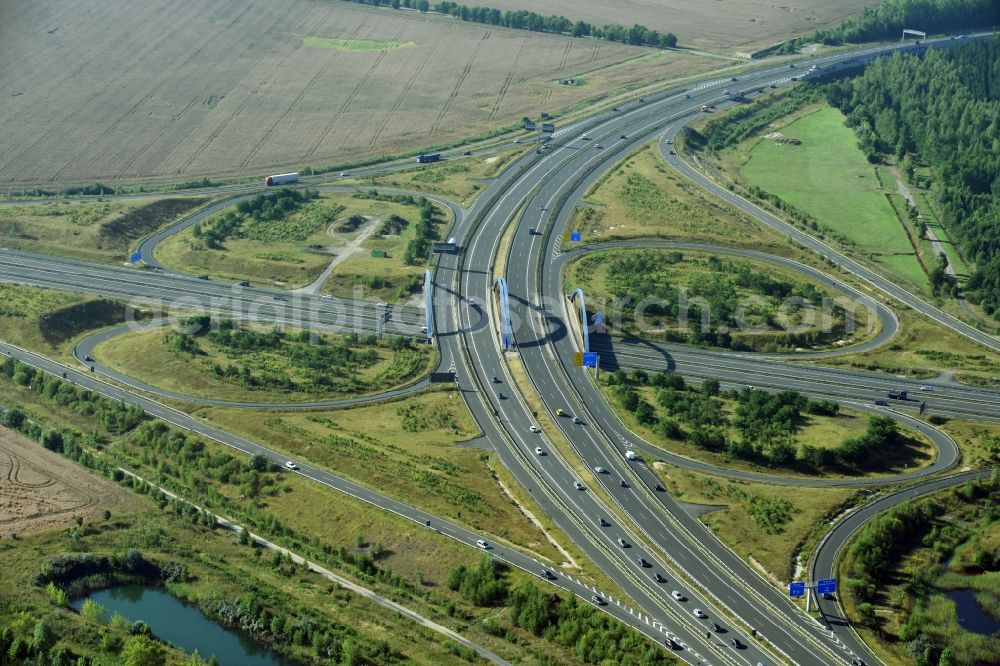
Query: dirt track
[{"x": 40, "y": 490}]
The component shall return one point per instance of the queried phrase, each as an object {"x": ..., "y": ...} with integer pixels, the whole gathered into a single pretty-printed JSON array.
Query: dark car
[
  {"x": 882, "y": 403},
  {"x": 547, "y": 575},
  {"x": 643, "y": 563},
  {"x": 244, "y": 283},
  {"x": 716, "y": 627},
  {"x": 659, "y": 578},
  {"x": 623, "y": 484},
  {"x": 659, "y": 488},
  {"x": 468, "y": 152},
  {"x": 736, "y": 644},
  {"x": 202, "y": 277},
  {"x": 672, "y": 644}
]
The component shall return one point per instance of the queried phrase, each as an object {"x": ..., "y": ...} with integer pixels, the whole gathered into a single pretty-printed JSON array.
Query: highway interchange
[{"x": 544, "y": 188}]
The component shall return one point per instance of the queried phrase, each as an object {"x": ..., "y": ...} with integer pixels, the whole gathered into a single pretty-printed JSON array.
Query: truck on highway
[
  {"x": 897, "y": 394},
  {"x": 704, "y": 107},
  {"x": 429, "y": 157},
  {"x": 281, "y": 179}
]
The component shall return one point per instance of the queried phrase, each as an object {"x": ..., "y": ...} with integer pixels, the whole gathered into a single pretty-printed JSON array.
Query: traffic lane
[
  {"x": 592, "y": 451},
  {"x": 815, "y": 385}
]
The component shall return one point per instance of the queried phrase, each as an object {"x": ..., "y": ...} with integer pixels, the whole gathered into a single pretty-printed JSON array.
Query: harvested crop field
[
  {"x": 719, "y": 26},
  {"x": 154, "y": 91},
  {"x": 40, "y": 490}
]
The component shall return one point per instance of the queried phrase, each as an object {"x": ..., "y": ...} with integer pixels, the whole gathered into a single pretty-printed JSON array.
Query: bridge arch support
[
  {"x": 506, "y": 329},
  {"x": 577, "y": 296},
  {"x": 429, "y": 305}
]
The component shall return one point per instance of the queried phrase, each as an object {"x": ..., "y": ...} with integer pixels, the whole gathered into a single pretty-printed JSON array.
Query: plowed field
[{"x": 166, "y": 91}]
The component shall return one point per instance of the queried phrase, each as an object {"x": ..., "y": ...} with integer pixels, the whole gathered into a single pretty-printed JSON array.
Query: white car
[
  {"x": 327, "y": 297},
  {"x": 578, "y": 485},
  {"x": 423, "y": 329},
  {"x": 483, "y": 544},
  {"x": 630, "y": 455},
  {"x": 289, "y": 464},
  {"x": 343, "y": 173},
  {"x": 677, "y": 595},
  {"x": 538, "y": 451},
  {"x": 534, "y": 428},
  {"x": 600, "y": 470},
  {"x": 698, "y": 613},
  {"x": 927, "y": 388}
]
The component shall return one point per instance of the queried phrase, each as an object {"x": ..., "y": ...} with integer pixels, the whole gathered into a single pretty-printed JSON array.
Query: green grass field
[
  {"x": 353, "y": 44},
  {"x": 150, "y": 357},
  {"x": 828, "y": 177}
]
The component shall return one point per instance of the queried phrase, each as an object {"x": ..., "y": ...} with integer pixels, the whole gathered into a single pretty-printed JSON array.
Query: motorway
[{"x": 676, "y": 546}]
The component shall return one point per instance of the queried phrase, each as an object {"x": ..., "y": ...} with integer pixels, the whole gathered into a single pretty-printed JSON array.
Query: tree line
[
  {"x": 944, "y": 108},
  {"x": 637, "y": 35}
]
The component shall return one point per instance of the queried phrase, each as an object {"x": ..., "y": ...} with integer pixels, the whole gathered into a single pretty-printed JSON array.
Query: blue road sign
[
  {"x": 828, "y": 586},
  {"x": 136, "y": 257},
  {"x": 574, "y": 236},
  {"x": 796, "y": 589},
  {"x": 590, "y": 359}
]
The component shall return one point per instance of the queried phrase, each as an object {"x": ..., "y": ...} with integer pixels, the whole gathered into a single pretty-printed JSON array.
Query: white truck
[{"x": 281, "y": 179}]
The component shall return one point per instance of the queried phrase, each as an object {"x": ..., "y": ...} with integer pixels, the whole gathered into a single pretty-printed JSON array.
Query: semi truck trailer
[
  {"x": 281, "y": 179},
  {"x": 429, "y": 157}
]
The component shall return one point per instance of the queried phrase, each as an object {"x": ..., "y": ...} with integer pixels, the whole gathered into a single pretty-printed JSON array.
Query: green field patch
[
  {"x": 823, "y": 173},
  {"x": 749, "y": 305},
  {"x": 258, "y": 364},
  {"x": 354, "y": 44},
  {"x": 102, "y": 232}
]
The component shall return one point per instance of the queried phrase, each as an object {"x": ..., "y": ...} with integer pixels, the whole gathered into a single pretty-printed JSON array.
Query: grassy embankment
[
  {"x": 395, "y": 557},
  {"x": 102, "y": 232},
  {"x": 257, "y": 364},
  {"x": 294, "y": 248}
]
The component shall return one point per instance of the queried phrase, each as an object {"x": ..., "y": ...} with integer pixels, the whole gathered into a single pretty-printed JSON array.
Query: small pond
[
  {"x": 970, "y": 616},
  {"x": 182, "y": 625}
]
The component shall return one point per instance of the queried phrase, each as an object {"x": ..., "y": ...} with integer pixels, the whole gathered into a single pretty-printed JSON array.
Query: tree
[
  {"x": 710, "y": 387},
  {"x": 43, "y": 637},
  {"x": 142, "y": 650}
]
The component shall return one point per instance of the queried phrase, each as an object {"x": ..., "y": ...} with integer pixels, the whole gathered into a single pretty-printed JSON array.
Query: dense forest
[
  {"x": 943, "y": 108},
  {"x": 934, "y": 16}
]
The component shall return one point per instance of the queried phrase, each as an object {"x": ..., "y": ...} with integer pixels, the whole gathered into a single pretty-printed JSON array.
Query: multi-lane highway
[{"x": 613, "y": 508}]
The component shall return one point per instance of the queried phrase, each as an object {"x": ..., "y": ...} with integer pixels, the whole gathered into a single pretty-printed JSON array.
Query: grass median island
[
  {"x": 926, "y": 349},
  {"x": 642, "y": 197},
  {"x": 257, "y": 364},
  {"x": 458, "y": 178},
  {"x": 815, "y": 165},
  {"x": 287, "y": 237},
  {"x": 902, "y": 574},
  {"x": 102, "y": 232},
  {"x": 753, "y": 429},
  {"x": 44, "y": 320},
  {"x": 765, "y": 524},
  {"x": 748, "y": 305},
  {"x": 391, "y": 265},
  {"x": 224, "y": 575}
]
